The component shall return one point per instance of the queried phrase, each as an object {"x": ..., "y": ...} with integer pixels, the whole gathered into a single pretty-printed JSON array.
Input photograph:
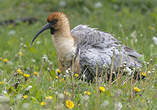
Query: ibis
[{"x": 91, "y": 51}]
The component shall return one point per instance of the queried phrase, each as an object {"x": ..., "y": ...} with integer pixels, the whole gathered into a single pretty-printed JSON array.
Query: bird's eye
[{"x": 54, "y": 21}]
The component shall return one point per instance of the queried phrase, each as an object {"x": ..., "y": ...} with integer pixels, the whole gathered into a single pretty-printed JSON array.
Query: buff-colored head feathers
[{"x": 60, "y": 20}]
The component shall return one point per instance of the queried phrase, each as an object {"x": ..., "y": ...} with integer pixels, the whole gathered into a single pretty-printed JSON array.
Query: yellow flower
[
  {"x": 49, "y": 97},
  {"x": 136, "y": 89},
  {"x": 56, "y": 77},
  {"x": 20, "y": 53},
  {"x": 1, "y": 82},
  {"x": 19, "y": 71},
  {"x": 26, "y": 75},
  {"x": 62, "y": 79},
  {"x": 25, "y": 96},
  {"x": 143, "y": 74},
  {"x": 11, "y": 26},
  {"x": 36, "y": 73},
  {"x": 0, "y": 58},
  {"x": 58, "y": 70},
  {"x": 101, "y": 89},
  {"x": 87, "y": 93},
  {"x": 76, "y": 75},
  {"x": 5, "y": 60},
  {"x": 69, "y": 104},
  {"x": 42, "y": 103},
  {"x": 150, "y": 27}
]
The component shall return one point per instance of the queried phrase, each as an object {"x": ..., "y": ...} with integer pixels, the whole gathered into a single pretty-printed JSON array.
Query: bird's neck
[{"x": 64, "y": 44}]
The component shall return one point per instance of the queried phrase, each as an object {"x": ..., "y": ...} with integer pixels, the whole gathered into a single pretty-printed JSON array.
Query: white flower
[
  {"x": 104, "y": 104},
  {"x": 133, "y": 35},
  {"x": 62, "y": 3},
  {"x": 61, "y": 96},
  {"x": 85, "y": 97},
  {"x": 120, "y": 25},
  {"x": 98, "y": 5},
  {"x": 128, "y": 70},
  {"x": 12, "y": 32},
  {"x": 45, "y": 58},
  {"x": 56, "y": 93},
  {"x": 118, "y": 106},
  {"x": 28, "y": 88},
  {"x": 4, "y": 92},
  {"x": 149, "y": 72},
  {"x": 155, "y": 40},
  {"x": 68, "y": 70},
  {"x": 38, "y": 42},
  {"x": 33, "y": 60}
]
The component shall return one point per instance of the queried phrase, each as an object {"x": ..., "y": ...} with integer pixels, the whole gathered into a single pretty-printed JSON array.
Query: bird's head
[{"x": 57, "y": 23}]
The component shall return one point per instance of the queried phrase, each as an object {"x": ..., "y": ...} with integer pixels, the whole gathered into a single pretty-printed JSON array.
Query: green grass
[{"x": 118, "y": 17}]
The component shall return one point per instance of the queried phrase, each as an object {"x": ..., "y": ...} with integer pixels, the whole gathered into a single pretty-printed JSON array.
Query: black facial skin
[
  {"x": 52, "y": 31},
  {"x": 50, "y": 25}
]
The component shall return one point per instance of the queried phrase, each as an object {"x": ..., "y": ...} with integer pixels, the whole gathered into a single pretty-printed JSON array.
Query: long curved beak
[{"x": 45, "y": 27}]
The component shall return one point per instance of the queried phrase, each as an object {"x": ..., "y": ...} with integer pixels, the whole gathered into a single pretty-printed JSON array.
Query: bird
[{"x": 90, "y": 50}]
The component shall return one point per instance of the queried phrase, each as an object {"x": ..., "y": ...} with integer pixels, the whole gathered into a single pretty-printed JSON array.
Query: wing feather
[{"x": 96, "y": 48}]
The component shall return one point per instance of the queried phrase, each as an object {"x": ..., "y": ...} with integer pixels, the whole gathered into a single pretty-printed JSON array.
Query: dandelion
[
  {"x": 1, "y": 82},
  {"x": 118, "y": 106},
  {"x": 61, "y": 96},
  {"x": 0, "y": 58},
  {"x": 136, "y": 89},
  {"x": 49, "y": 97},
  {"x": 69, "y": 104},
  {"x": 101, "y": 89},
  {"x": 87, "y": 93},
  {"x": 20, "y": 53},
  {"x": 28, "y": 88},
  {"x": 36, "y": 73},
  {"x": 38, "y": 42},
  {"x": 154, "y": 40},
  {"x": 58, "y": 71},
  {"x": 76, "y": 75},
  {"x": 45, "y": 58},
  {"x": 143, "y": 74},
  {"x": 150, "y": 28},
  {"x": 19, "y": 71},
  {"x": 5, "y": 60},
  {"x": 62, "y": 3},
  {"x": 26, "y": 75},
  {"x": 56, "y": 77},
  {"x": 25, "y": 96},
  {"x": 12, "y": 32},
  {"x": 62, "y": 79},
  {"x": 42, "y": 103},
  {"x": 98, "y": 5}
]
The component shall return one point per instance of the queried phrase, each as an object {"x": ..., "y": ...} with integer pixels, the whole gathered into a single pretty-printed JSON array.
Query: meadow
[{"x": 30, "y": 78}]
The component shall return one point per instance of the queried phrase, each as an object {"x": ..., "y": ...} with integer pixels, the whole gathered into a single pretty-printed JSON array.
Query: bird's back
[{"x": 97, "y": 48}]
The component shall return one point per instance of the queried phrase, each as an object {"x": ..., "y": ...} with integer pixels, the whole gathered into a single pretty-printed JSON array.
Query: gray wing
[{"x": 96, "y": 48}]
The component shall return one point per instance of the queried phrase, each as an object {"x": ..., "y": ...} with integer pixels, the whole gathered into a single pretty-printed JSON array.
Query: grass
[{"x": 118, "y": 17}]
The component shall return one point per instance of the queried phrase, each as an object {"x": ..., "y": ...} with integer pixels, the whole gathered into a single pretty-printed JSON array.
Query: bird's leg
[
  {"x": 76, "y": 66},
  {"x": 61, "y": 67}
]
